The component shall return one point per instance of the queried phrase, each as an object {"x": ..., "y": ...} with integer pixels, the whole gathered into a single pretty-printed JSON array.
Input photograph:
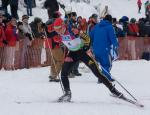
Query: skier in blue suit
[{"x": 104, "y": 44}]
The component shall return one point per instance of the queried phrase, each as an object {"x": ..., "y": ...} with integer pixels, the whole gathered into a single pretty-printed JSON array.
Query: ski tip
[{"x": 141, "y": 105}]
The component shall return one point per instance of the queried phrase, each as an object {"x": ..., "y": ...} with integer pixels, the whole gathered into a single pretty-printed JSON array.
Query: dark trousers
[
  {"x": 14, "y": 9},
  {"x": 139, "y": 9},
  {"x": 75, "y": 67},
  {"x": 5, "y": 3},
  {"x": 89, "y": 61},
  {"x": 29, "y": 7}
]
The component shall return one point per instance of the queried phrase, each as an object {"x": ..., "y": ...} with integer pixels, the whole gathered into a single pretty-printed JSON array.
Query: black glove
[
  {"x": 5, "y": 42},
  {"x": 29, "y": 36}
]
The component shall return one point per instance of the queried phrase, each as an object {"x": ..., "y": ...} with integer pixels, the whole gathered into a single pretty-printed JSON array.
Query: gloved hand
[
  {"x": 90, "y": 53},
  {"x": 114, "y": 53},
  {"x": 57, "y": 39}
]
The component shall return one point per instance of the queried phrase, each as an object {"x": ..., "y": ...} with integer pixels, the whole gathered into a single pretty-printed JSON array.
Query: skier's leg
[
  {"x": 65, "y": 81},
  {"x": 66, "y": 68},
  {"x": 75, "y": 70}
]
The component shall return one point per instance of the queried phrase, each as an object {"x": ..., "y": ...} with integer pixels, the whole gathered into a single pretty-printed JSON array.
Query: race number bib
[{"x": 72, "y": 43}]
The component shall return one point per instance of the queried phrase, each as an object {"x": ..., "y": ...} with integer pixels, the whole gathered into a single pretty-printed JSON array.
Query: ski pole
[
  {"x": 119, "y": 83},
  {"x": 126, "y": 90},
  {"x": 54, "y": 62}
]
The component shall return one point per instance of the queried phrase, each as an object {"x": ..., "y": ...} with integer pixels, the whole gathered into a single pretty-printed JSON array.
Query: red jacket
[
  {"x": 83, "y": 25},
  {"x": 133, "y": 30},
  {"x": 2, "y": 35},
  {"x": 53, "y": 38},
  {"x": 139, "y": 3},
  {"x": 11, "y": 35}
]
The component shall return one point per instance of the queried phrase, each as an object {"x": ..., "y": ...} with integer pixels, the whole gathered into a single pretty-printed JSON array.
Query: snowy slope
[
  {"x": 36, "y": 94},
  {"x": 118, "y": 8}
]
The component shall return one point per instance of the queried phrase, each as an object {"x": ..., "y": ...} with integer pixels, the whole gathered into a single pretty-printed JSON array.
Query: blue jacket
[{"x": 102, "y": 38}]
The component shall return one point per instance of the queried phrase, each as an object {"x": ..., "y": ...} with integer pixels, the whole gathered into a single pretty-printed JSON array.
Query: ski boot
[
  {"x": 53, "y": 79},
  {"x": 116, "y": 93},
  {"x": 66, "y": 97}
]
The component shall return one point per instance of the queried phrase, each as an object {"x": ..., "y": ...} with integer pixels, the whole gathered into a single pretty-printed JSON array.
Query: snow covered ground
[{"x": 28, "y": 92}]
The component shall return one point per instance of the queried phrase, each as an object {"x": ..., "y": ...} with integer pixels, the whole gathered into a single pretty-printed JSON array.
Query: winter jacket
[
  {"x": 119, "y": 30},
  {"x": 139, "y": 3},
  {"x": 133, "y": 29},
  {"x": 14, "y": 2},
  {"x": 90, "y": 27},
  {"x": 27, "y": 31},
  {"x": 142, "y": 29},
  {"x": 52, "y": 5},
  {"x": 5, "y": 3},
  {"x": 21, "y": 34},
  {"x": 102, "y": 38},
  {"x": 83, "y": 25},
  {"x": 52, "y": 35},
  {"x": 147, "y": 25},
  {"x": 72, "y": 25},
  {"x": 11, "y": 35},
  {"x": 35, "y": 30}
]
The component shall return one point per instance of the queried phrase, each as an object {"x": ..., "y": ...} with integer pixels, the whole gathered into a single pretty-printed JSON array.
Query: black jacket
[
  {"x": 14, "y": 2},
  {"x": 5, "y": 3},
  {"x": 52, "y": 5}
]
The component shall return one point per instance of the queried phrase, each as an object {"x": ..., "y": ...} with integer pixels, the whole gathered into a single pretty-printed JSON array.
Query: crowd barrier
[
  {"x": 129, "y": 49},
  {"x": 133, "y": 48}
]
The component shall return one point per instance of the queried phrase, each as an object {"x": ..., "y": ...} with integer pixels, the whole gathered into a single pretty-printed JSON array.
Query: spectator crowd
[{"x": 14, "y": 32}]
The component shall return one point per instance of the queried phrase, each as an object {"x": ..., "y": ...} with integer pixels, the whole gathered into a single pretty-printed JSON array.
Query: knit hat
[
  {"x": 58, "y": 23},
  {"x": 133, "y": 20},
  {"x": 95, "y": 16},
  {"x": 73, "y": 14},
  {"x": 108, "y": 17},
  {"x": 25, "y": 17},
  {"x": 124, "y": 19}
]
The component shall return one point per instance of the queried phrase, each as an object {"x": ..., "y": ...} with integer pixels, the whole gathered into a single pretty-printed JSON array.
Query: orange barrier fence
[
  {"x": 129, "y": 49},
  {"x": 133, "y": 48}
]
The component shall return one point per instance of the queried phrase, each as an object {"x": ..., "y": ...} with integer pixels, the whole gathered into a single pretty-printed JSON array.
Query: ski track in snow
[{"x": 28, "y": 92}]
